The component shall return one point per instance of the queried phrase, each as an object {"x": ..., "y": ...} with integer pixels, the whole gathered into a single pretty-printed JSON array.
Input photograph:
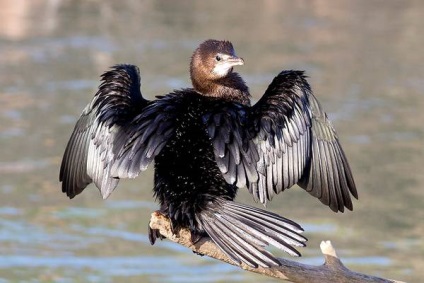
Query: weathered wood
[{"x": 332, "y": 270}]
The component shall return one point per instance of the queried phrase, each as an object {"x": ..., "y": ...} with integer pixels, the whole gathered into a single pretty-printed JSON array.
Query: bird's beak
[{"x": 235, "y": 61}]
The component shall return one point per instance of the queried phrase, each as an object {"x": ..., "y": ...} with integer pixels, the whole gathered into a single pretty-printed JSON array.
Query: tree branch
[{"x": 332, "y": 270}]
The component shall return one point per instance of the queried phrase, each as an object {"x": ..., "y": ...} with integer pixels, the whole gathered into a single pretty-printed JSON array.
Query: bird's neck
[{"x": 231, "y": 87}]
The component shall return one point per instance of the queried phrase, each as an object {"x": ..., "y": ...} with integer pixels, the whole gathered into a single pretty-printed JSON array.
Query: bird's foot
[
  {"x": 154, "y": 234},
  {"x": 195, "y": 237}
]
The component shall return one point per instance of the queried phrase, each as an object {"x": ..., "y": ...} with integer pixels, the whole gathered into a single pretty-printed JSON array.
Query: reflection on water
[{"x": 365, "y": 65}]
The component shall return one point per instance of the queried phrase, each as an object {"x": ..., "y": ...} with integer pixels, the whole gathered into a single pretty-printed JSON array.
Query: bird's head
[{"x": 211, "y": 61}]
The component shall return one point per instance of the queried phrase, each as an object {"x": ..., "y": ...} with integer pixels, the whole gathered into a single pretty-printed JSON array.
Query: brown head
[{"x": 211, "y": 70}]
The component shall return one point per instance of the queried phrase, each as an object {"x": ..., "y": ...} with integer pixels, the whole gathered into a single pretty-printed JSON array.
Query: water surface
[{"x": 365, "y": 63}]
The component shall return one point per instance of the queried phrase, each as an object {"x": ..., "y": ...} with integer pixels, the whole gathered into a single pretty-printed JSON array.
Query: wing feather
[
  {"x": 118, "y": 134},
  {"x": 287, "y": 140}
]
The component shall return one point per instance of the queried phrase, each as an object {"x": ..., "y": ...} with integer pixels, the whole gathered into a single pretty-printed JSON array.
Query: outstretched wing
[
  {"x": 294, "y": 143},
  {"x": 137, "y": 144},
  {"x": 327, "y": 175},
  {"x": 281, "y": 121},
  {"x": 116, "y": 115}
]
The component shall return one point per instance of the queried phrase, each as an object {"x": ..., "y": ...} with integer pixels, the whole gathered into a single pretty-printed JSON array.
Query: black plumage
[{"x": 206, "y": 143}]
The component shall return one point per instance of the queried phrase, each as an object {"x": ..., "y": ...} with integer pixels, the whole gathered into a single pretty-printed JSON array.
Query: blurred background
[{"x": 365, "y": 61}]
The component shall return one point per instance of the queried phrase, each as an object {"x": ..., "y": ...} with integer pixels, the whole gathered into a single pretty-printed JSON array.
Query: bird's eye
[{"x": 218, "y": 58}]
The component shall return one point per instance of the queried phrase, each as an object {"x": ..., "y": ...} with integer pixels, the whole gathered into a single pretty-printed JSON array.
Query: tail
[{"x": 242, "y": 232}]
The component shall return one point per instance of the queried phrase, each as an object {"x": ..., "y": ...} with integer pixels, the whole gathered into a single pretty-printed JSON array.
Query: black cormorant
[{"x": 206, "y": 143}]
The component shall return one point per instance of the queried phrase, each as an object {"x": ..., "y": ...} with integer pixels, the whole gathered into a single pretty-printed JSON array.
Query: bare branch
[{"x": 332, "y": 270}]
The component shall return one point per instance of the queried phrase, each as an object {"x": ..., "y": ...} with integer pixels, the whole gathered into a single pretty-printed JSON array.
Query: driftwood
[{"x": 332, "y": 270}]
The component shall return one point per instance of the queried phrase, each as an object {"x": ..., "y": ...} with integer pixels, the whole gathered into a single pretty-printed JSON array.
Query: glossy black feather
[
  {"x": 100, "y": 131},
  {"x": 287, "y": 140},
  {"x": 243, "y": 232}
]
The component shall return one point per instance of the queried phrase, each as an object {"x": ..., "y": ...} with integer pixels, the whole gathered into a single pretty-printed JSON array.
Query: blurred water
[{"x": 364, "y": 60}]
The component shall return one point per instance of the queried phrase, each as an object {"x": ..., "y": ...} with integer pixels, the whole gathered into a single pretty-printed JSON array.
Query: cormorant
[{"x": 206, "y": 143}]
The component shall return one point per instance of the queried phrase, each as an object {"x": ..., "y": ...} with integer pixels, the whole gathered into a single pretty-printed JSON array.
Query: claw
[
  {"x": 195, "y": 237},
  {"x": 154, "y": 234}
]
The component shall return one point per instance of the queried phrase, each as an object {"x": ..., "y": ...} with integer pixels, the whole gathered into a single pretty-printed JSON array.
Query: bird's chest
[
  {"x": 188, "y": 153},
  {"x": 190, "y": 139}
]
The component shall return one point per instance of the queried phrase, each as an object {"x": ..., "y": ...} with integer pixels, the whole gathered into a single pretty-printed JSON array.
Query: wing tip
[{"x": 70, "y": 193}]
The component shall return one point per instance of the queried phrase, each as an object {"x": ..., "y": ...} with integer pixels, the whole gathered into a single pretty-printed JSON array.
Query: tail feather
[
  {"x": 275, "y": 238},
  {"x": 270, "y": 215},
  {"x": 272, "y": 224},
  {"x": 242, "y": 232},
  {"x": 219, "y": 238},
  {"x": 270, "y": 236},
  {"x": 236, "y": 244}
]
